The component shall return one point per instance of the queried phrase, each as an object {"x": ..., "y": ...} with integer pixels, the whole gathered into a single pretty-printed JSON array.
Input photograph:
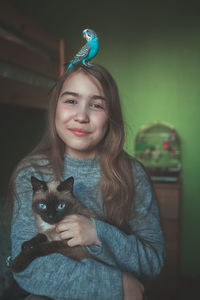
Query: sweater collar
[{"x": 86, "y": 164}]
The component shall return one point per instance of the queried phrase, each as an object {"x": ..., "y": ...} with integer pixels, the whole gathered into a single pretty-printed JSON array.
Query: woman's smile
[{"x": 79, "y": 132}]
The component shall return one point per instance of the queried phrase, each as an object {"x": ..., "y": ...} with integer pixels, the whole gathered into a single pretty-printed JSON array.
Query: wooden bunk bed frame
[{"x": 31, "y": 60}]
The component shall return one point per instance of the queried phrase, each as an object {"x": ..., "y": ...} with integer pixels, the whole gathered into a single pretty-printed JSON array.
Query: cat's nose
[{"x": 51, "y": 216}]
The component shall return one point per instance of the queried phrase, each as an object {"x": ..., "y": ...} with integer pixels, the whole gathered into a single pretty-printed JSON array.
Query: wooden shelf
[{"x": 30, "y": 59}]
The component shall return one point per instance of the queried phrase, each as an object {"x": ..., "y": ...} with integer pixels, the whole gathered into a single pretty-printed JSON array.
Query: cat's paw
[{"x": 19, "y": 263}]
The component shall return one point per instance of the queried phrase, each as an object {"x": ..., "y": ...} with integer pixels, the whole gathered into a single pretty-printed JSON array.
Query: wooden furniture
[
  {"x": 31, "y": 60},
  {"x": 169, "y": 201}
]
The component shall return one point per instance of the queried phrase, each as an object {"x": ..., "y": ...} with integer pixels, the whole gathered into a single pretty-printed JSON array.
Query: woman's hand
[
  {"x": 133, "y": 289},
  {"x": 79, "y": 230}
]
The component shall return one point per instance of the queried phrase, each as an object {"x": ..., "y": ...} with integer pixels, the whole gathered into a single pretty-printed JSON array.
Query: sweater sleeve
[
  {"x": 55, "y": 275},
  {"x": 143, "y": 252}
]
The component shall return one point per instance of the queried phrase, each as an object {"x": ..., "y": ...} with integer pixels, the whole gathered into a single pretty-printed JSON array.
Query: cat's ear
[
  {"x": 66, "y": 185},
  {"x": 38, "y": 185}
]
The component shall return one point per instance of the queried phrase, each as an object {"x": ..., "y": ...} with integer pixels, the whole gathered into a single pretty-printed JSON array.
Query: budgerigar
[{"x": 88, "y": 51}]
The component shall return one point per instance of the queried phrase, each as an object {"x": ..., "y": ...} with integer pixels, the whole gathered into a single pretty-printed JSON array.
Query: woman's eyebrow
[
  {"x": 94, "y": 97},
  {"x": 70, "y": 93}
]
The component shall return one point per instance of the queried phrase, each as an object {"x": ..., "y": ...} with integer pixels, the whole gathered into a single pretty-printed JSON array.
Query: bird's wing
[{"x": 83, "y": 53}]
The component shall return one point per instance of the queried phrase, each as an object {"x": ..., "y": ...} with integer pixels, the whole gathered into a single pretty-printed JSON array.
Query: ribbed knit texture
[{"x": 60, "y": 277}]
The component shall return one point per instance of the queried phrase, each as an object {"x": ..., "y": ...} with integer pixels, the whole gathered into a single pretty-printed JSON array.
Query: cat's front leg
[
  {"x": 27, "y": 253},
  {"x": 38, "y": 239}
]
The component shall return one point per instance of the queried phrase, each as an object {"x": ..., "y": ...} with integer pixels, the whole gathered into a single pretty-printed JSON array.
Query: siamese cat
[{"x": 52, "y": 201}]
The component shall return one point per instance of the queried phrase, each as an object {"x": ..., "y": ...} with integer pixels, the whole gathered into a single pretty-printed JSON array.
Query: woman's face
[{"x": 81, "y": 115}]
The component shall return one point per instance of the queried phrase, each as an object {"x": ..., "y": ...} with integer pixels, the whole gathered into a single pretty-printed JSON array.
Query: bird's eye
[
  {"x": 61, "y": 206},
  {"x": 42, "y": 206}
]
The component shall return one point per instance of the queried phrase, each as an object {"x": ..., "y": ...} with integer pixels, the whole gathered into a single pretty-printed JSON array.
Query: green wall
[
  {"x": 152, "y": 48},
  {"x": 161, "y": 83},
  {"x": 164, "y": 86}
]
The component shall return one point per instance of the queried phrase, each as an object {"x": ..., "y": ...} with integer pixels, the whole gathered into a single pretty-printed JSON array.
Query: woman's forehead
[{"x": 81, "y": 81}]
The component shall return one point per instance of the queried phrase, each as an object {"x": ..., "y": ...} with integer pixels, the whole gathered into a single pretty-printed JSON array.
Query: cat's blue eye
[
  {"x": 61, "y": 206},
  {"x": 42, "y": 206}
]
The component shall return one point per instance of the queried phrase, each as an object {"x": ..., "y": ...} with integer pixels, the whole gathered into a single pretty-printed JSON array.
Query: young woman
[{"x": 84, "y": 139}]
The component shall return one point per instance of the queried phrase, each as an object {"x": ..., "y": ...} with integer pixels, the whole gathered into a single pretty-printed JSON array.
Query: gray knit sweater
[{"x": 60, "y": 277}]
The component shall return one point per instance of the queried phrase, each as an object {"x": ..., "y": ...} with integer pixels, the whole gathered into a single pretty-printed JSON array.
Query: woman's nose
[{"x": 82, "y": 115}]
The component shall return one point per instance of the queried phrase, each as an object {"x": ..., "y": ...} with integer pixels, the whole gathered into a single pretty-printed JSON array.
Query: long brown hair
[{"x": 116, "y": 171}]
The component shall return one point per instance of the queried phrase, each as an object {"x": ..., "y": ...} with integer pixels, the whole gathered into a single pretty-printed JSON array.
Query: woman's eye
[
  {"x": 70, "y": 101},
  {"x": 61, "y": 206},
  {"x": 42, "y": 206},
  {"x": 97, "y": 106}
]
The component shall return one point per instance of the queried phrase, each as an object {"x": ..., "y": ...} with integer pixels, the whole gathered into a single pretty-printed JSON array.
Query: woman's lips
[{"x": 79, "y": 131}]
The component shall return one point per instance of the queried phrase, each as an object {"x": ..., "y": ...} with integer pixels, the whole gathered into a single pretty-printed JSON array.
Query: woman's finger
[
  {"x": 74, "y": 242},
  {"x": 66, "y": 235}
]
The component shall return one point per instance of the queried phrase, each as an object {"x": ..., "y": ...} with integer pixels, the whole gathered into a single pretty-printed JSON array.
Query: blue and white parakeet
[{"x": 88, "y": 51}]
